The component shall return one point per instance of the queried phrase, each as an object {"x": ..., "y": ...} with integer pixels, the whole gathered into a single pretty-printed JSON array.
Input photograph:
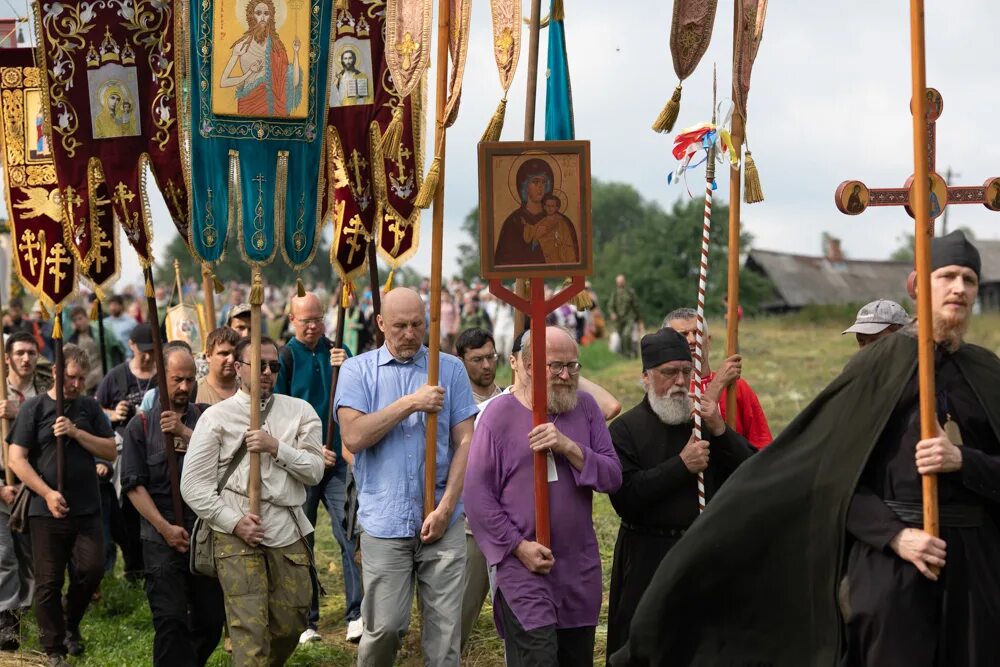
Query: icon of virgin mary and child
[{"x": 537, "y": 232}]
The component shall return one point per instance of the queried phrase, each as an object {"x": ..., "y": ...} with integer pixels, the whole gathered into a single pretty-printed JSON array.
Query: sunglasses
[{"x": 273, "y": 366}]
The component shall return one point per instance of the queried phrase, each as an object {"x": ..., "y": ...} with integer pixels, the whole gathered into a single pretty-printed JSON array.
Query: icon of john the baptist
[{"x": 519, "y": 243}]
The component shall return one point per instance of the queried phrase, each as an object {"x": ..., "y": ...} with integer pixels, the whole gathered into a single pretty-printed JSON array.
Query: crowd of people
[{"x": 168, "y": 480}]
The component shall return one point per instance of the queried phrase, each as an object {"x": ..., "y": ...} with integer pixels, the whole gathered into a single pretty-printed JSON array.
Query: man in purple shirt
[{"x": 546, "y": 601}]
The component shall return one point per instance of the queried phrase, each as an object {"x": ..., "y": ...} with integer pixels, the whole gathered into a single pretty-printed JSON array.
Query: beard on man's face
[
  {"x": 562, "y": 396},
  {"x": 950, "y": 328},
  {"x": 673, "y": 408},
  {"x": 259, "y": 31}
]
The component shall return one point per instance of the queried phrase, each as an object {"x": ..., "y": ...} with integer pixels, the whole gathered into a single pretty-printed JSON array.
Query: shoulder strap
[
  {"x": 242, "y": 450},
  {"x": 288, "y": 361}
]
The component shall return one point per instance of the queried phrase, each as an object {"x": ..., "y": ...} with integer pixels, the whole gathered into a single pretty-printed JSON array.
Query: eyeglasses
[
  {"x": 273, "y": 366},
  {"x": 312, "y": 322},
  {"x": 671, "y": 373},
  {"x": 491, "y": 358},
  {"x": 557, "y": 367}
]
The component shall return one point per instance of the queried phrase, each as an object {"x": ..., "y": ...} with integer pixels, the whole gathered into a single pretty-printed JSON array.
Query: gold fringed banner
[
  {"x": 749, "y": 33},
  {"x": 690, "y": 35},
  {"x": 407, "y": 43},
  {"x": 506, "y": 16}
]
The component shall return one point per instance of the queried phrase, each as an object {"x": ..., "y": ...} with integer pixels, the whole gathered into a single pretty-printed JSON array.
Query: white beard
[{"x": 672, "y": 409}]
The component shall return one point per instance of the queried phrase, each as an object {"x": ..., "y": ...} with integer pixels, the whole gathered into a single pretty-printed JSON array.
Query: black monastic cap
[
  {"x": 663, "y": 346},
  {"x": 955, "y": 250}
]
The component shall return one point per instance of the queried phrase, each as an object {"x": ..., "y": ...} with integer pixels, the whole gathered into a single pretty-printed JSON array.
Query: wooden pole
[
  {"x": 540, "y": 409},
  {"x": 101, "y": 337},
  {"x": 338, "y": 342},
  {"x": 256, "y": 301},
  {"x": 208, "y": 287},
  {"x": 437, "y": 245},
  {"x": 60, "y": 380},
  {"x": 4, "y": 422},
  {"x": 923, "y": 232},
  {"x": 173, "y": 469},
  {"x": 735, "y": 192},
  {"x": 376, "y": 286}
]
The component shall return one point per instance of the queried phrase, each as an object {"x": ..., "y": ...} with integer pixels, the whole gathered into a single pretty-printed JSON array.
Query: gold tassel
[
  {"x": 150, "y": 292},
  {"x": 388, "y": 281},
  {"x": 665, "y": 121},
  {"x": 57, "y": 326},
  {"x": 581, "y": 301},
  {"x": 393, "y": 133},
  {"x": 300, "y": 288},
  {"x": 43, "y": 311},
  {"x": 495, "y": 126},
  {"x": 425, "y": 196},
  {"x": 93, "y": 310},
  {"x": 345, "y": 294},
  {"x": 206, "y": 272},
  {"x": 219, "y": 287},
  {"x": 557, "y": 13},
  {"x": 257, "y": 289},
  {"x": 752, "y": 192}
]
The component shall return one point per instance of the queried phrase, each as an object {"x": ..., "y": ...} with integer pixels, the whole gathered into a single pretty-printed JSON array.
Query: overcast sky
[{"x": 829, "y": 102}]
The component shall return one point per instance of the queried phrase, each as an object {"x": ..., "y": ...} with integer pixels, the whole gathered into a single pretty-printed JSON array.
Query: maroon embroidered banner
[{"x": 111, "y": 101}]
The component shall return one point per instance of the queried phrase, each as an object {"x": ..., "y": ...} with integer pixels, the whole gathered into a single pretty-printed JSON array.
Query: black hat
[
  {"x": 142, "y": 336},
  {"x": 518, "y": 340},
  {"x": 663, "y": 346},
  {"x": 955, "y": 250}
]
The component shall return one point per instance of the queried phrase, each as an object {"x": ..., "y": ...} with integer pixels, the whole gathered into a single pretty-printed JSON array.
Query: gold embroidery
[
  {"x": 55, "y": 261},
  {"x": 259, "y": 239},
  {"x": 27, "y": 247}
]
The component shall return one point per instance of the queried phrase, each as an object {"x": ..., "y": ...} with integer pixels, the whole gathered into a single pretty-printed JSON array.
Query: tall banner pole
[
  {"x": 256, "y": 301},
  {"x": 338, "y": 342},
  {"x": 376, "y": 294},
  {"x": 923, "y": 231},
  {"x": 437, "y": 243},
  {"x": 60, "y": 378},
  {"x": 101, "y": 336},
  {"x": 735, "y": 192},
  {"x": 4, "y": 422},
  {"x": 208, "y": 287},
  {"x": 173, "y": 469}
]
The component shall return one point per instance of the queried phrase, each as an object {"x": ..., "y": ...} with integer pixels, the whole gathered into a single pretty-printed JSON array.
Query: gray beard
[
  {"x": 672, "y": 410},
  {"x": 561, "y": 399}
]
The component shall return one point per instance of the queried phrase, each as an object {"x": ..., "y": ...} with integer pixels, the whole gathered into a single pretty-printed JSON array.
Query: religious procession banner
[
  {"x": 690, "y": 35},
  {"x": 506, "y": 15},
  {"x": 111, "y": 103},
  {"x": 558, "y": 91},
  {"x": 40, "y": 244},
  {"x": 749, "y": 33},
  {"x": 369, "y": 191},
  {"x": 258, "y": 84}
]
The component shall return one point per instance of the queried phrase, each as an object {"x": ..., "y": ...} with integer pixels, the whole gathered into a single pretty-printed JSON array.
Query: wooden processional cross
[
  {"x": 853, "y": 197},
  {"x": 924, "y": 196}
]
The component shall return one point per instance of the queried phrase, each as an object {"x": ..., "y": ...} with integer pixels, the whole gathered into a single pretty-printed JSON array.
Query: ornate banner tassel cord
[
  {"x": 388, "y": 281},
  {"x": 57, "y": 331},
  {"x": 393, "y": 133},
  {"x": 668, "y": 116},
  {"x": 582, "y": 301},
  {"x": 752, "y": 192},
  {"x": 495, "y": 126},
  {"x": 94, "y": 307},
  {"x": 257, "y": 291},
  {"x": 345, "y": 294},
  {"x": 425, "y": 196},
  {"x": 300, "y": 288}
]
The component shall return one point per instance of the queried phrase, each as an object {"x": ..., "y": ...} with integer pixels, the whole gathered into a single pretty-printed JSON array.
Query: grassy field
[{"x": 787, "y": 361}]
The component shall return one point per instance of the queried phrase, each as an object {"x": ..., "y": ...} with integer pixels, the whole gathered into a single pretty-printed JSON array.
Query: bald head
[
  {"x": 402, "y": 322},
  {"x": 557, "y": 341},
  {"x": 307, "y": 318}
]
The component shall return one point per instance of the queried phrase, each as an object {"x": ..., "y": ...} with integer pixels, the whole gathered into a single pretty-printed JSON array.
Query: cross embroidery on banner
[
  {"x": 29, "y": 244},
  {"x": 103, "y": 242},
  {"x": 408, "y": 49},
  {"x": 853, "y": 197},
  {"x": 55, "y": 261}
]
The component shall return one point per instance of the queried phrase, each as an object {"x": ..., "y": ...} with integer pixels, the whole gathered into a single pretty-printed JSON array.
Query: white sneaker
[
  {"x": 309, "y": 635},
  {"x": 355, "y": 629}
]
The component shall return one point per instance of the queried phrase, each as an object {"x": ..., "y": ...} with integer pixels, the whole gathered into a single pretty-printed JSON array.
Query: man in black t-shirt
[
  {"x": 120, "y": 394},
  {"x": 65, "y": 525},
  {"x": 188, "y": 611}
]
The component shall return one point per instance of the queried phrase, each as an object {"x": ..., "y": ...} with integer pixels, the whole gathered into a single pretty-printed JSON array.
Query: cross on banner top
[{"x": 853, "y": 197}]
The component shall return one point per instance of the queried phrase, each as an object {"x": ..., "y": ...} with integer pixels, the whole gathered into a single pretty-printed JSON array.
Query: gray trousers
[
  {"x": 389, "y": 568},
  {"x": 477, "y": 587},
  {"x": 17, "y": 581}
]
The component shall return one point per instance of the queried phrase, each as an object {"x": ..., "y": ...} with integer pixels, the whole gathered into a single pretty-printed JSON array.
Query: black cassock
[
  {"x": 657, "y": 501},
  {"x": 895, "y": 615}
]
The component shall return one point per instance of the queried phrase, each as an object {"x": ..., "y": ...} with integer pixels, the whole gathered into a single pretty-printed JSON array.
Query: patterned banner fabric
[
  {"x": 458, "y": 49},
  {"x": 749, "y": 32},
  {"x": 506, "y": 38},
  {"x": 691, "y": 33},
  {"x": 558, "y": 92},
  {"x": 42, "y": 258},
  {"x": 366, "y": 190},
  {"x": 259, "y": 72},
  {"x": 408, "y": 42},
  {"x": 111, "y": 102}
]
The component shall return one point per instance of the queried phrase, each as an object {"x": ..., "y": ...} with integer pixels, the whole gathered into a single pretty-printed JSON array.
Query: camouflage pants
[{"x": 267, "y": 592}]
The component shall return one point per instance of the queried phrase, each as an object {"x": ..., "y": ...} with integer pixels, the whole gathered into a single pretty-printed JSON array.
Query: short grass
[{"x": 787, "y": 361}]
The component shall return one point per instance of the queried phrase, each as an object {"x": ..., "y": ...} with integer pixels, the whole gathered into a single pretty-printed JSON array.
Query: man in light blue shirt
[{"x": 382, "y": 403}]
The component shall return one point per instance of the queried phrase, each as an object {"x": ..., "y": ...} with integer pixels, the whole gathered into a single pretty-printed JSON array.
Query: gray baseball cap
[{"x": 874, "y": 317}]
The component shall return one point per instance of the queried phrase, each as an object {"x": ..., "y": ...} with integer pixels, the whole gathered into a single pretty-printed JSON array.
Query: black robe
[
  {"x": 657, "y": 501},
  {"x": 755, "y": 579}
]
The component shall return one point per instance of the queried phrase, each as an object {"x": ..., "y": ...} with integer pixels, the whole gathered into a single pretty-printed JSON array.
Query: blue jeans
[{"x": 332, "y": 492}]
